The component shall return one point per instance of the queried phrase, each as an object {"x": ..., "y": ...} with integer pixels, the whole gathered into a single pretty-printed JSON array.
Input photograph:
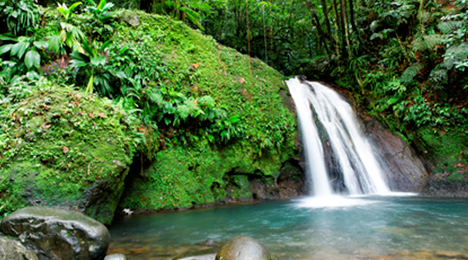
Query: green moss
[
  {"x": 62, "y": 147},
  {"x": 447, "y": 150},
  {"x": 200, "y": 172}
]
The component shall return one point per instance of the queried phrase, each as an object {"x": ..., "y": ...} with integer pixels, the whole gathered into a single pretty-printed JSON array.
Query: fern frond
[
  {"x": 410, "y": 72},
  {"x": 456, "y": 53},
  {"x": 449, "y": 26},
  {"x": 438, "y": 77},
  {"x": 427, "y": 42}
]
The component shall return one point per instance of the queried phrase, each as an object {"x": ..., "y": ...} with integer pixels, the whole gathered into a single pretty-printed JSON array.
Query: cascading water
[{"x": 323, "y": 113}]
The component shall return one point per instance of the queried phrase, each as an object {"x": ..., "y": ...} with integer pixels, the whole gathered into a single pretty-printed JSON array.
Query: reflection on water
[{"x": 362, "y": 228}]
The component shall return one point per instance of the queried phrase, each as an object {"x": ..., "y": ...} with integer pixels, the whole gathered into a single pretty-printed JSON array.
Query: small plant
[
  {"x": 67, "y": 12},
  {"x": 93, "y": 60},
  {"x": 20, "y": 16},
  {"x": 23, "y": 54}
]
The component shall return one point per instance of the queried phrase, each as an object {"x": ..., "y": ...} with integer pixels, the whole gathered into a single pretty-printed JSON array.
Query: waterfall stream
[{"x": 338, "y": 156}]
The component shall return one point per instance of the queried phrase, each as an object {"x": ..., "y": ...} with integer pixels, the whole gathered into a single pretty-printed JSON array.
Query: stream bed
[{"x": 368, "y": 227}]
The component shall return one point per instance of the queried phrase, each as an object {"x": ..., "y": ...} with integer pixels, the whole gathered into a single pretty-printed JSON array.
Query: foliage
[
  {"x": 20, "y": 16},
  {"x": 172, "y": 89}
]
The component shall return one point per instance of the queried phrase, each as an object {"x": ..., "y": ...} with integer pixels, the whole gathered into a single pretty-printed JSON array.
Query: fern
[
  {"x": 410, "y": 73},
  {"x": 455, "y": 54},
  {"x": 438, "y": 78},
  {"x": 427, "y": 42},
  {"x": 449, "y": 26}
]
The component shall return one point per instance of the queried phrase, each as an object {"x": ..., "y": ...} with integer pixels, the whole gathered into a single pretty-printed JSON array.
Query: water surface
[{"x": 362, "y": 228}]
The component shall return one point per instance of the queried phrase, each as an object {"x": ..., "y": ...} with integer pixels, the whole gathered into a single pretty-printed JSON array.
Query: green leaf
[
  {"x": 19, "y": 49},
  {"x": 41, "y": 44},
  {"x": 32, "y": 58},
  {"x": 101, "y": 4},
  {"x": 89, "y": 88},
  {"x": 7, "y": 37},
  {"x": 234, "y": 119},
  {"x": 99, "y": 60},
  {"x": 5, "y": 48},
  {"x": 73, "y": 6},
  {"x": 105, "y": 45},
  {"x": 54, "y": 43}
]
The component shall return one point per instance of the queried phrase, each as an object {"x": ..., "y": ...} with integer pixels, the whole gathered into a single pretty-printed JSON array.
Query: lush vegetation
[
  {"x": 201, "y": 113},
  {"x": 205, "y": 117}
]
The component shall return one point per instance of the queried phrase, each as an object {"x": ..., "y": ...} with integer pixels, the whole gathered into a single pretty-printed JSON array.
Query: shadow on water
[{"x": 362, "y": 228}]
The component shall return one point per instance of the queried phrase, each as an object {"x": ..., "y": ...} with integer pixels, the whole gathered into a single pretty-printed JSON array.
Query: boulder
[
  {"x": 14, "y": 250},
  {"x": 115, "y": 257},
  {"x": 56, "y": 234},
  {"x": 243, "y": 248},
  {"x": 75, "y": 151},
  {"x": 406, "y": 171}
]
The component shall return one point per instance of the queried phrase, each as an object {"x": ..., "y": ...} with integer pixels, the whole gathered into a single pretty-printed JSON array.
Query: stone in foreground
[
  {"x": 243, "y": 248},
  {"x": 13, "y": 250},
  {"x": 56, "y": 234},
  {"x": 115, "y": 257}
]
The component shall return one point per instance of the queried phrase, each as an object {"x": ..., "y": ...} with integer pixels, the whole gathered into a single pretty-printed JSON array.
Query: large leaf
[
  {"x": 19, "y": 49},
  {"x": 8, "y": 37},
  {"x": 101, "y": 4},
  {"x": 54, "y": 43},
  {"x": 5, "y": 48},
  {"x": 32, "y": 58},
  {"x": 99, "y": 60},
  {"x": 79, "y": 59},
  {"x": 41, "y": 44}
]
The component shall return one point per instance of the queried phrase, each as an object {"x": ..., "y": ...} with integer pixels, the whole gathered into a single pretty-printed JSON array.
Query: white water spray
[{"x": 353, "y": 154}]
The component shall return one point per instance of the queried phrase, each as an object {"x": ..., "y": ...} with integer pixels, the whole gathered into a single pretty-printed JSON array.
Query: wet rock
[
  {"x": 243, "y": 248},
  {"x": 13, "y": 250},
  {"x": 199, "y": 257},
  {"x": 406, "y": 170},
  {"x": 115, "y": 257},
  {"x": 55, "y": 234},
  {"x": 441, "y": 186}
]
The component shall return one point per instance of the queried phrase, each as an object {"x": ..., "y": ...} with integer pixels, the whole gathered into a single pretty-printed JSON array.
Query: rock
[
  {"x": 115, "y": 257},
  {"x": 439, "y": 185},
  {"x": 406, "y": 170},
  {"x": 243, "y": 248},
  {"x": 55, "y": 234},
  {"x": 199, "y": 257},
  {"x": 77, "y": 174},
  {"x": 131, "y": 18},
  {"x": 13, "y": 250}
]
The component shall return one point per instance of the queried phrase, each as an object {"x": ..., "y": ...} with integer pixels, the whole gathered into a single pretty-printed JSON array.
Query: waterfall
[{"x": 333, "y": 143}]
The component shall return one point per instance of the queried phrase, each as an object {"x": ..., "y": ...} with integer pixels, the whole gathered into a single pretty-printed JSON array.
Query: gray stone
[
  {"x": 56, "y": 234},
  {"x": 243, "y": 248},
  {"x": 14, "y": 250},
  {"x": 406, "y": 170},
  {"x": 115, "y": 257},
  {"x": 199, "y": 257}
]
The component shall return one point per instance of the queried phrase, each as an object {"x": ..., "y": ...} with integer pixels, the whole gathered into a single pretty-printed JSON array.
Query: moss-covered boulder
[
  {"x": 193, "y": 167},
  {"x": 63, "y": 148},
  {"x": 445, "y": 155}
]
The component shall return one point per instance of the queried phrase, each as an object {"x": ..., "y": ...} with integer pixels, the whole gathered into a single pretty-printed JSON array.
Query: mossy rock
[
  {"x": 63, "y": 148},
  {"x": 199, "y": 171},
  {"x": 183, "y": 177},
  {"x": 444, "y": 151}
]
